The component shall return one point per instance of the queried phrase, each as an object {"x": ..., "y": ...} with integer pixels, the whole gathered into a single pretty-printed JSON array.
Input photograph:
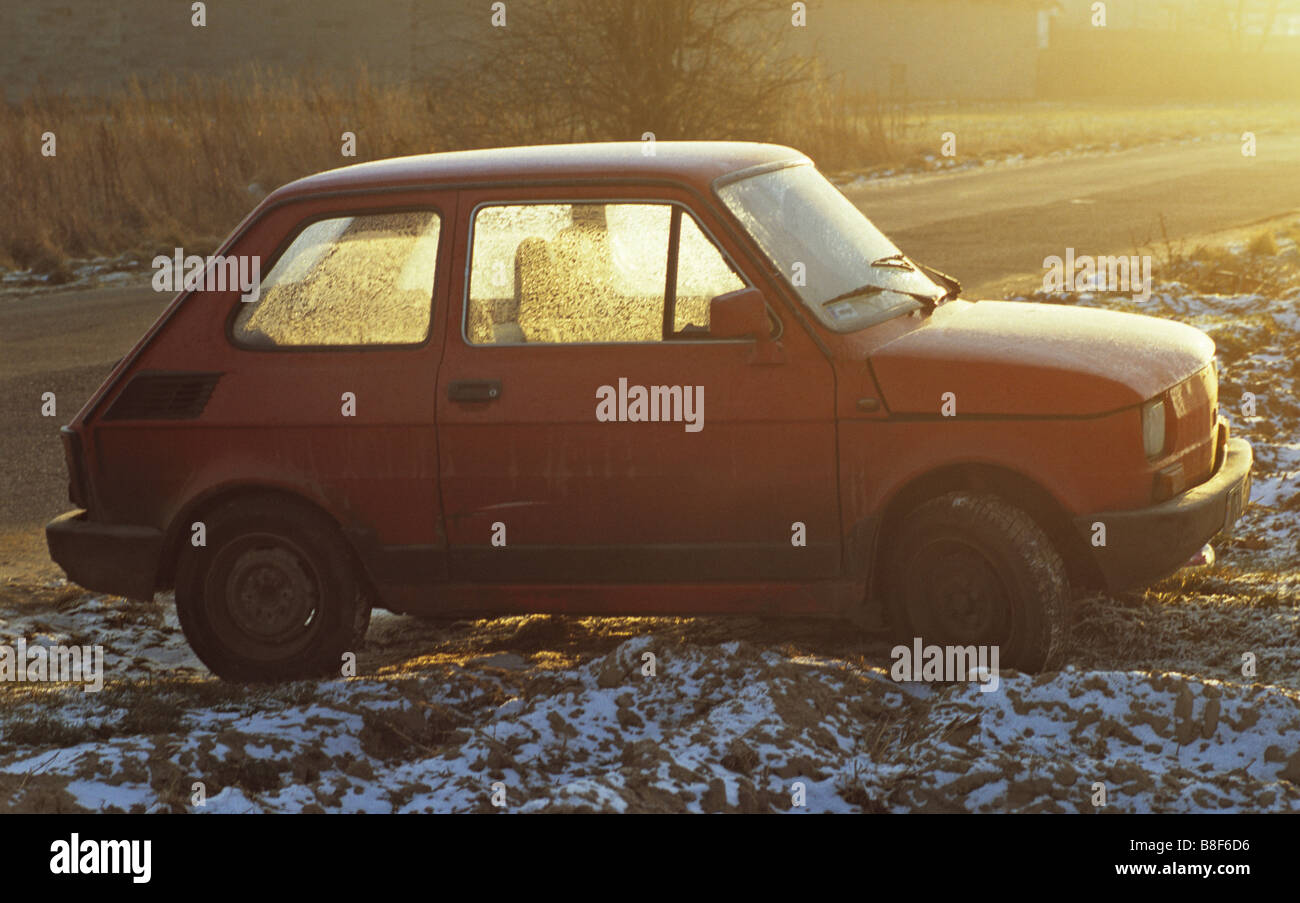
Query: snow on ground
[
  {"x": 726, "y": 727},
  {"x": 928, "y": 164},
  {"x": 123, "y": 271},
  {"x": 142, "y": 638}
]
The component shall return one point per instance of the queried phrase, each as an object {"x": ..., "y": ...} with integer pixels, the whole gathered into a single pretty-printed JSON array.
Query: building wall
[
  {"x": 1136, "y": 64},
  {"x": 932, "y": 49},
  {"x": 1279, "y": 17}
]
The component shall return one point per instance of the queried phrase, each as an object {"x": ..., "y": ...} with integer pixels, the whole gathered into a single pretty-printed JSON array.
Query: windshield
[{"x": 845, "y": 270}]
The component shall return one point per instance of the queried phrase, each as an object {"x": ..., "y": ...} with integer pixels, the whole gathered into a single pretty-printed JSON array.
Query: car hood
[{"x": 1017, "y": 358}]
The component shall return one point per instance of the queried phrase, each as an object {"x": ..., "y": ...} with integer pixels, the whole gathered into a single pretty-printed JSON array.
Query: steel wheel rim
[
  {"x": 263, "y": 595},
  {"x": 956, "y": 594}
]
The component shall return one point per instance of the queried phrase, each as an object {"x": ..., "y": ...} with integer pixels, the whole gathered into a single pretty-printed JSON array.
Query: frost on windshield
[
  {"x": 364, "y": 280},
  {"x": 825, "y": 247}
]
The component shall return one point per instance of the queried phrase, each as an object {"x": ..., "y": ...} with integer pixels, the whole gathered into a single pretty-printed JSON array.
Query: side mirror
[
  {"x": 740, "y": 315},
  {"x": 743, "y": 315}
]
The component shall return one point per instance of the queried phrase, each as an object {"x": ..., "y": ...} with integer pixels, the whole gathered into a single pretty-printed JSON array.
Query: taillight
[{"x": 73, "y": 458}]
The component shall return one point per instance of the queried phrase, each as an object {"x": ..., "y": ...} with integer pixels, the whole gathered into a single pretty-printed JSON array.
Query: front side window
[
  {"x": 588, "y": 273},
  {"x": 351, "y": 280},
  {"x": 843, "y": 268},
  {"x": 702, "y": 274}
]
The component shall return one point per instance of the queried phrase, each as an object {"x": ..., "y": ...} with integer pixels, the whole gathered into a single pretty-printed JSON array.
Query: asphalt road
[
  {"x": 988, "y": 227},
  {"x": 995, "y": 226}
]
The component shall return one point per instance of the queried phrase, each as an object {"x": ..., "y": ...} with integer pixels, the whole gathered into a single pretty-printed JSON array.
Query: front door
[{"x": 590, "y": 428}]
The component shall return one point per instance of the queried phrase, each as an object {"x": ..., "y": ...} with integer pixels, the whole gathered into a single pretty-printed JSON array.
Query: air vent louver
[{"x": 164, "y": 396}]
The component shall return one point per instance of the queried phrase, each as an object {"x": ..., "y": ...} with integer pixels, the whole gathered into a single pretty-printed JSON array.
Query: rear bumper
[
  {"x": 111, "y": 558},
  {"x": 1143, "y": 545}
]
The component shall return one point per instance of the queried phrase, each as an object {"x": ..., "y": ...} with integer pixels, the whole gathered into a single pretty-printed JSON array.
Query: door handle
[{"x": 479, "y": 390}]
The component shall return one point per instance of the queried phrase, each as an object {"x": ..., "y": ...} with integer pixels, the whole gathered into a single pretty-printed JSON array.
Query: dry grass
[
  {"x": 1197, "y": 621},
  {"x": 1263, "y": 245},
  {"x": 1264, "y": 262},
  {"x": 178, "y": 163}
]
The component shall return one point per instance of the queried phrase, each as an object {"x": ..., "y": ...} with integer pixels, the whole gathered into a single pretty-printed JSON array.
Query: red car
[{"x": 671, "y": 378}]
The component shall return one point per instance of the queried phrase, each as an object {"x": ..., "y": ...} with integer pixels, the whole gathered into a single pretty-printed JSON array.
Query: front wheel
[
  {"x": 272, "y": 596},
  {"x": 967, "y": 568}
]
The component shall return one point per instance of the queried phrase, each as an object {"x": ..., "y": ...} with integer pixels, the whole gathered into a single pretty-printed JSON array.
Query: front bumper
[
  {"x": 1143, "y": 545},
  {"x": 111, "y": 558}
]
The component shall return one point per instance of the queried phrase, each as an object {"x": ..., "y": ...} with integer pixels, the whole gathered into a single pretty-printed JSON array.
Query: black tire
[
  {"x": 273, "y": 595},
  {"x": 967, "y": 568}
]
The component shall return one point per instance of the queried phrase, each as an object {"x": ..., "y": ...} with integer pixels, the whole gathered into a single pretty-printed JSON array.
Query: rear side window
[{"x": 353, "y": 280}]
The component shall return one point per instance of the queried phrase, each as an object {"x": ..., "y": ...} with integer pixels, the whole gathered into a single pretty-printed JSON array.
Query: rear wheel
[
  {"x": 273, "y": 595},
  {"x": 967, "y": 568}
]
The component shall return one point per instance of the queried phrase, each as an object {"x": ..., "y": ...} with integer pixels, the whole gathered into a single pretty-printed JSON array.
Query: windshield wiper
[
  {"x": 869, "y": 289},
  {"x": 894, "y": 260},
  {"x": 874, "y": 289},
  {"x": 954, "y": 287}
]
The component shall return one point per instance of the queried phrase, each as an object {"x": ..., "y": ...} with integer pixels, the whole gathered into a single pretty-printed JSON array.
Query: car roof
[{"x": 696, "y": 163}]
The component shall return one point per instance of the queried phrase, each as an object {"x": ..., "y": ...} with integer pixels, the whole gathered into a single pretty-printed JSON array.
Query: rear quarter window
[{"x": 350, "y": 280}]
